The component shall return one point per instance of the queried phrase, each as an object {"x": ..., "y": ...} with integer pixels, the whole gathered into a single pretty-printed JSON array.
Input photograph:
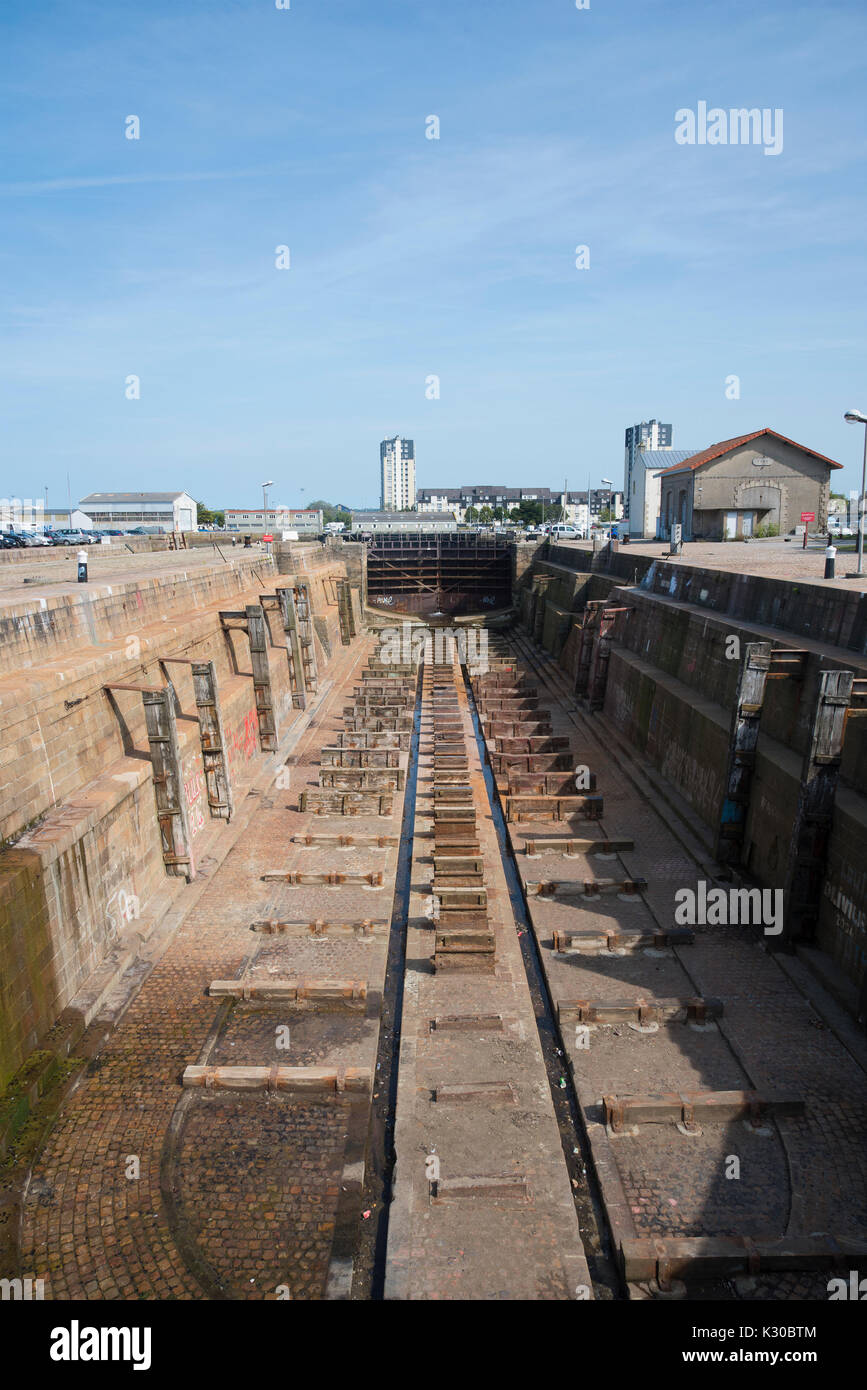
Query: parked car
[
  {"x": 13, "y": 541},
  {"x": 566, "y": 533},
  {"x": 70, "y": 538}
]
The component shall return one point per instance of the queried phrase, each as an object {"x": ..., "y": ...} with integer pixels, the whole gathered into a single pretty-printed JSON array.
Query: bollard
[
  {"x": 830, "y": 557},
  {"x": 82, "y": 566}
]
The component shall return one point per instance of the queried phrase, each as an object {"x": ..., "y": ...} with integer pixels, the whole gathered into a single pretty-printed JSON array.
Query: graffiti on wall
[{"x": 194, "y": 797}]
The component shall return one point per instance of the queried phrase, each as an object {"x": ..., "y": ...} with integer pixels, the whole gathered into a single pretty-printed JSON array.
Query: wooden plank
[
  {"x": 586, "y": 888},
  {"x": 642, "y": 1011},
  {"x": 272, "y": 926},
  {"x": 694, "y": 1107},
  {"x": 293, "y": 1080},
  {"x": 517, "y": 808},
  {"x": 291, "y": 991}
]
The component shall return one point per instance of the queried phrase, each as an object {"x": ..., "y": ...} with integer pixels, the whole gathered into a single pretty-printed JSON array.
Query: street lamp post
[
  {"x": 265, "y": 487},
  {"x": 858, "y": 417},
  {"x": 608, "y": 483}
]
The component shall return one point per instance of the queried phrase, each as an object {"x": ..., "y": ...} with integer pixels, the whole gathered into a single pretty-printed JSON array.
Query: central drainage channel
[{"x": 368, "y": 1281}]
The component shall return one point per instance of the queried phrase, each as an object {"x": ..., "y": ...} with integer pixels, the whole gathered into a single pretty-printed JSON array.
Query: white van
[{"x": 566, "y": 533}]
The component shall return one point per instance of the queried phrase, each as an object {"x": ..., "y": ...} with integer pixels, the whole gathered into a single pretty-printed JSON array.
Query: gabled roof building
[{"x": 755, "y": 483}]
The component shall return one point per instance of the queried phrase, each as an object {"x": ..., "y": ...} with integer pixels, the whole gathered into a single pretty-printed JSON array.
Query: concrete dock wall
[
  {"x": 81, "y": 856},
  {"x": 672, "y": 684}
]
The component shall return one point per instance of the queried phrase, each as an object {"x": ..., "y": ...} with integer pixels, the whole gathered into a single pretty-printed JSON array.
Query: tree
[
  {"x": 471, "y": 514},
  {"x": 330, "y": 512},
  {"x": 205, "y": 517},
  {"x": 528, "y": 513},
  {"x": 486, "y": 516}
]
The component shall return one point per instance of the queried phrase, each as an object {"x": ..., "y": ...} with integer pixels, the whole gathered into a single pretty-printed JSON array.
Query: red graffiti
[
  {"x": 247, "y": 744},
  {"x": 193, "y": 797},
  {"x": 251, "y": 734}
]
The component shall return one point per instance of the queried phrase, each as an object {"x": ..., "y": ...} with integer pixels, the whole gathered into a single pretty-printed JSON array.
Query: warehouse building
[
  {"x": 159, "y": 511},
  {"x": 755, "y": 484},
  {"x": 374, "y": 523}
]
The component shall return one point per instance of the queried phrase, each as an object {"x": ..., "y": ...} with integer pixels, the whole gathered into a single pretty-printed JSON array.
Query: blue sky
[{"x": 413, "y": 257}]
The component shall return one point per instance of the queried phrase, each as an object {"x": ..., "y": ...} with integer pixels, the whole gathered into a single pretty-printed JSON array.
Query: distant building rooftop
[
  {"x": 656, "y": 459},
  {"x": 420, "y": 519},
  {"x": 94, "y": 497}
]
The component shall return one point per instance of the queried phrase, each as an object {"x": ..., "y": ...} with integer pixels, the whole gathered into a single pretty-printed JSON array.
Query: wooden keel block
[{"x": 288, "y": 1080}]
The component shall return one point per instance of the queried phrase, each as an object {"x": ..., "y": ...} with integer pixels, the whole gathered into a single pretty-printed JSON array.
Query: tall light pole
[
  {"x": 265, "y": 487},
  {"x": 606, "y": 482},
  {"x": 858, "y": 417}
]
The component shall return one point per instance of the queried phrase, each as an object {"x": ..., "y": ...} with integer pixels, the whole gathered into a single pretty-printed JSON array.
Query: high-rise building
[
  {"x": 647, "y": 437},
  {"x": 397, "y": 462}
]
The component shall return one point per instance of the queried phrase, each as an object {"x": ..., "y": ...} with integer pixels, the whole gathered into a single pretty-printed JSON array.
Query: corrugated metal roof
[{"x": 654, "y": 459}]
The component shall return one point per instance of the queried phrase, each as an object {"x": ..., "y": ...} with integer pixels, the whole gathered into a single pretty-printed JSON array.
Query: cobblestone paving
[
  {"x": 258, "y": 1188},
  {"x": 257, "y": 1183}
]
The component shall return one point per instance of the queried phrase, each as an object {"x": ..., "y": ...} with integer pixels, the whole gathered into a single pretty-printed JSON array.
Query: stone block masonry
[
  {"x": 672, "y": 681},
  {"x": 82, "y": 858}
]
